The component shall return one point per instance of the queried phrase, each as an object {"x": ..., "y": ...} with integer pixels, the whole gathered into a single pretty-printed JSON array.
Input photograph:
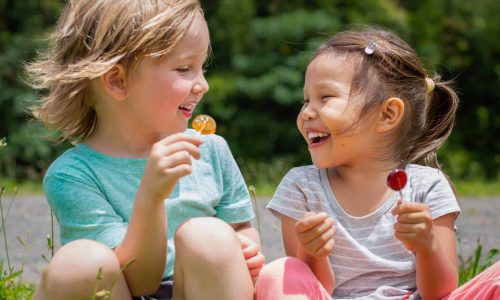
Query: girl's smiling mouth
[{"x": 316, "y": 138}]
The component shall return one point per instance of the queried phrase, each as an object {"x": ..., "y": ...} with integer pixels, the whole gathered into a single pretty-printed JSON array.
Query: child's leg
[
  {"x": 289, "y": 278},
  {"x": 72, "y": 273},
  {"x": 209, "y": 263},
  {"x": 484, "y": 286}
]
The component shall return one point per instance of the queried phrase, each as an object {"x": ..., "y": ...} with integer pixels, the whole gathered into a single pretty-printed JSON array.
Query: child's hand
[
  {"x": 254, "y": 258},
  {"x": 169, "y": 160},
  {"x": 315, "y": 232},
  {"x": 414, "y": 225}
]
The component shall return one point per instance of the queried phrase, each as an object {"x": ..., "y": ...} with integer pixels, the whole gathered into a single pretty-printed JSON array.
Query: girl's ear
[
  {"x": 114, "y": 82},
  {"x": 390, "y": 114}
]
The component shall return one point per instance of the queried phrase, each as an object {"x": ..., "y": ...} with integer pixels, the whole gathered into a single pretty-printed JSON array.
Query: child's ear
[
  {"x": 390, "y": 114},
  {"x": 114, "y": 82}
]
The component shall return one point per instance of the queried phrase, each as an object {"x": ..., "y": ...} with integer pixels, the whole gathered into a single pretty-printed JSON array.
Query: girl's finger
[
  {"x": 414, "y": 217},
  {"x": 315, "y": 232},
  {"x": 174, "y": 160},
  {"x": 309, "y": 221},
  {"x": 326, "y": 249},
  {"x": 321, "y": 240}
]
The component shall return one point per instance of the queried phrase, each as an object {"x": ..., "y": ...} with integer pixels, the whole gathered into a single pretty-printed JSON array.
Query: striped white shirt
[{"x": 368, "y": 261}]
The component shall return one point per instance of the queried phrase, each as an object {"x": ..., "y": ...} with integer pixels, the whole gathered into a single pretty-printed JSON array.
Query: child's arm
[
  {"x": 145, "y": 240},
  {"x": 310, "y": 240},
  {"x": 433, "y": 242},
  {"x": 251, "y": 247}
]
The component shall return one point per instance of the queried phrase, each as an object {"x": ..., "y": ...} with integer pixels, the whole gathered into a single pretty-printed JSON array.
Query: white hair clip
[{"x": 371, "y": 47}]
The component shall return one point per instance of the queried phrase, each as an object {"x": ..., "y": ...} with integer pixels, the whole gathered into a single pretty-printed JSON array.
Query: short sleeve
[
  {"x": 82, "y": 211},
  {"x": 235, "y": 205},
  {"x": 289, "y": 199},
  {"x": 440, "y": 196}
]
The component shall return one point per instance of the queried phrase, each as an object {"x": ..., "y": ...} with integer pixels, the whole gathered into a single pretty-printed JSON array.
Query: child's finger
[
  {"x": 321, "y": 240},
  {"x": 309, "y": 221},
  {"x": 316, "y": 231},
  {"x": 178, "y": 137},
  {"x": 192, "y": 149},
  {"x": 256, "y": 261},
  {"x": 414, "y": 217},
  {"x": 326, "y": 249},
  {"x": 409, "y": 228},
  {"x": 250, "y": 250},
  {"x": 408, "y": 207}
]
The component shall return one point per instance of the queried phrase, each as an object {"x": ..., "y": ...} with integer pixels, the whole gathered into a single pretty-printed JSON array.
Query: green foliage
[
  {"x": 260, "y": 52},
  {"x": 473, "y": 265}
]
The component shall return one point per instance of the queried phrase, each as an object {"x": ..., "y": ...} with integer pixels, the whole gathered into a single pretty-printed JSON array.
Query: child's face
[
  {"x": 163, "y": 94},
  {"x": 328, "y": 113}
]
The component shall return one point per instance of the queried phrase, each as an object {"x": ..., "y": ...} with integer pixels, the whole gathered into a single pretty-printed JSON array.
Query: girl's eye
[
  {"x": 326, "y": 98},
  {"x": 305, "y": 102}
]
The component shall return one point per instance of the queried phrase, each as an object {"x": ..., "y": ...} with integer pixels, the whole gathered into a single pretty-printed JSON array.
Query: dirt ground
[{"x": 28, "y": 221}]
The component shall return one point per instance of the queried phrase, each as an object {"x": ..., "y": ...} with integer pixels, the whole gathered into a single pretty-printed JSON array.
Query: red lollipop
[{"x": 397, "y": 180}]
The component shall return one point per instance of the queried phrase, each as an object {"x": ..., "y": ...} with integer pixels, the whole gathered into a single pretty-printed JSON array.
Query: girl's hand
[
  {"x": 315, "y": 232},
  {"x": 254, "y": 258},
  {"x": 414, "y": 225},
  {"x": 169, "y": 160}
]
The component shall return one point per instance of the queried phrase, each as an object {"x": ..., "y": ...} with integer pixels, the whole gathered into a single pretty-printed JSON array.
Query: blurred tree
[{"x": 260, "y": 52}]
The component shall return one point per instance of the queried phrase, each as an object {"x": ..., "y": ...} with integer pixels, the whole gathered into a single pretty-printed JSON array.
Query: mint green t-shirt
[{"x": 92, "y": 194}]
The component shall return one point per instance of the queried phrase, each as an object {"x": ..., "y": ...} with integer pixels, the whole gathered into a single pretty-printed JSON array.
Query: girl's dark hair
[{"x": 394, "y": 70}]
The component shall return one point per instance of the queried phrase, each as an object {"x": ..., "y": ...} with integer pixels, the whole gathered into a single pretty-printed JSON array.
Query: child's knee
[
  {"x": 278, "y": 269},
  {"x": 75, "y": 267},
  {"x": 211, "y": 238}
]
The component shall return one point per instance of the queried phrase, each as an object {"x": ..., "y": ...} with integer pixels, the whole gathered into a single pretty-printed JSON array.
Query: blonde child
[
  {"x": 369, "y": 107},
  {"x": 121, "y": 81}
]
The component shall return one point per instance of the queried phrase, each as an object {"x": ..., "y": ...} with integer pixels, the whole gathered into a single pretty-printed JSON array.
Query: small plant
[
  {"x": 11, "y": 286},
  {"x": 474, "y": 265},
  {"x": 253, "y": 196},
  {"x": 105, "y": 294}
]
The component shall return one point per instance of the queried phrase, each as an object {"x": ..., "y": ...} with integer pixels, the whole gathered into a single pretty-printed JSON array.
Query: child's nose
[
  {"x": 201, "y": 84},
  {"x": 309, "y": 113}
]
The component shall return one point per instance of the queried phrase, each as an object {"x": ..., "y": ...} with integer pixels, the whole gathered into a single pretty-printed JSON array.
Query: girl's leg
[
  {"x": 209, "y": 263},
  {"x": 289, "y": 278},
  {"x": 72, "y": 272},
  {"x": 484, "y": 286}
]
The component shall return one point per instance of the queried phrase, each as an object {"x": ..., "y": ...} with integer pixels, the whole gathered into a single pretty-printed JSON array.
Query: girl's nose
[
  {"x": 201, "y": 84},
  {"x": 309, "y": 113}
]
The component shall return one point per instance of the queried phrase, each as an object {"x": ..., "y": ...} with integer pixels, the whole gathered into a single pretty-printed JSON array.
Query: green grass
[{"x": 489, "y": 189}]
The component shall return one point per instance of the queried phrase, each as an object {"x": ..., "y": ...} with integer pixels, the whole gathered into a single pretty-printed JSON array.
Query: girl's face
[
  {"x": 329, "y": 112},
  {"x": 163, "y": 94}
]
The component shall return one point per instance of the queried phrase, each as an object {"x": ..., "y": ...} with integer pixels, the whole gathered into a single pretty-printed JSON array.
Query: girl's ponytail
[{"x": 439, "y": 120}]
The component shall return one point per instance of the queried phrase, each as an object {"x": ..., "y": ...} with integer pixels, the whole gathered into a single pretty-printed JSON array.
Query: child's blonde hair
[
  {"x": 90, "y": 38},
  {"x": 385, "y": 66}
]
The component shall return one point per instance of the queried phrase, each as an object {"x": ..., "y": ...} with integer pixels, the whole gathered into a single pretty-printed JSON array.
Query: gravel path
[{"x": 28, "y": 219}]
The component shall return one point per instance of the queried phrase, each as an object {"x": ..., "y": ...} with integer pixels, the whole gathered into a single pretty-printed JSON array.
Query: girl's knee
[
  {"x": 75, "y": 267},
  {"x": 278, "y": 269}
]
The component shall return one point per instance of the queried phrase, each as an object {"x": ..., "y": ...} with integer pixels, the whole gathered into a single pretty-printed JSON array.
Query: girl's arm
[
  {"x": 433, "y": 242},
  {"x": 321, "y": 267},
  {"x": 437, "y": 273}
]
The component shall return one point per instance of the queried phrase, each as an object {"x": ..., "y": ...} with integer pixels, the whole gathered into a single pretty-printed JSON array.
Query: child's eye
[
  {"x": 183, "y": 69},
  {"x": 327, "y": 97},
  {"x": 305, "y": 102}
]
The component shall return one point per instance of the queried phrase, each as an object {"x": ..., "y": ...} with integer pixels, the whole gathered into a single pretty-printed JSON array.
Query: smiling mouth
[{"x": 317, "y": 137}]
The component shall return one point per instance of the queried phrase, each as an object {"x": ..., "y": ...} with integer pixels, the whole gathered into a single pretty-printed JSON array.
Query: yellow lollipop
[{"x": 204, "y": 124}]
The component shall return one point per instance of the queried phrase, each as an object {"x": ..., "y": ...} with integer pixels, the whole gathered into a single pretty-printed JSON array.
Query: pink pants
[{"x": 290, "y": 278}]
